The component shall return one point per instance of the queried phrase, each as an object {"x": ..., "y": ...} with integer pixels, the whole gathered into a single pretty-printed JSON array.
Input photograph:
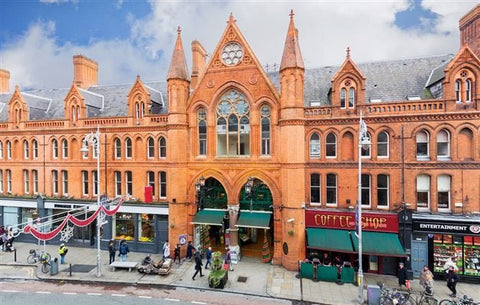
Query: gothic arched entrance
[{"x": 255, "y": 223}]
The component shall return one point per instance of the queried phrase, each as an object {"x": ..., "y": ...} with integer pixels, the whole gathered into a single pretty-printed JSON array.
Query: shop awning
[
  {"x": 381, "y": 244},
  {"x": 209, "y": 217},
  {"x": 253, "y": 219},
  {"x": 329, "y": 239}
]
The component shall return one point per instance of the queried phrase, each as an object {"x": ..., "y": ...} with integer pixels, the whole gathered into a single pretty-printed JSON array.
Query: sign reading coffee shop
[
  {"x": 439, "y": 226},
  {"x": 381, "y": 222}
]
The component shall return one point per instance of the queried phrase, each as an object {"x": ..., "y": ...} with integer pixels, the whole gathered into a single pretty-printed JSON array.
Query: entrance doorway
[{"x": 419, "y": 255}]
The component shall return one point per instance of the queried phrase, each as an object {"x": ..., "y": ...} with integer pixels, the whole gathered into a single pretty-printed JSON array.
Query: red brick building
[{"x": 233, "y": 155}]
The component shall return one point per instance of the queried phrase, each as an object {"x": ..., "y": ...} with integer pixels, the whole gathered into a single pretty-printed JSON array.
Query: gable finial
[
  {"x": 179, "y": 30},
  {"x": 291, "y": 14},
  {"x": 231, "y": 19},
  {"x": 348, "y": 52}
]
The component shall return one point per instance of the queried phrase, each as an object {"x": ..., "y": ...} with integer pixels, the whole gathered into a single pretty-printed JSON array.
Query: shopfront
[
  {"x": 437, "y": 239},
  {"x": 332, "y": 233}
]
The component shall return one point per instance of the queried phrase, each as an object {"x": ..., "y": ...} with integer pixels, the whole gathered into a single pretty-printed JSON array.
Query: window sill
[
  {"x": 444, "y": 159},
  {"x": 423, "y": 158}
]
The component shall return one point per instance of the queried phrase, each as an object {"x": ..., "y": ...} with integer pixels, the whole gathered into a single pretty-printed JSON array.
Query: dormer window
[
  {"x": 347, "y": 93},
  {"x": 463, "y": 87}
]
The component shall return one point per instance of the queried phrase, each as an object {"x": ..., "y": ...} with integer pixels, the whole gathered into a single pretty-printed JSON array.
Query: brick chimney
[
  {"x": 4, "y": 81},
  {"x": 85, "y": 71},
  {"x": 470, "y": 30},
  {"x": 199, "y": 57}
]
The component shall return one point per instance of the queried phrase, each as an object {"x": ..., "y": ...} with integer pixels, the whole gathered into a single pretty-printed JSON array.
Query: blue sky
[{"x": 38, "y": 38}]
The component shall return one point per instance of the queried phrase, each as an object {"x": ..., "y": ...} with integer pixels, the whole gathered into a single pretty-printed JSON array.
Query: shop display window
[
  {"x": 445, "y": 247},
  {"x": 471, "y": 254},
  {"x": 124, "y": 226},
  {"x": 146, "y": 228}
]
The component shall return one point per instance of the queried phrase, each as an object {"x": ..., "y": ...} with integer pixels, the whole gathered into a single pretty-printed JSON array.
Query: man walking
[
  {"x": 122, "y": 252},
  {"x": 111, "y": 251},
  {"x": 452, "y": 280},
  {"x": 198, "y": 265},
  {"x": 402, "y": 275},
  {"x": 209, "y": 257}
]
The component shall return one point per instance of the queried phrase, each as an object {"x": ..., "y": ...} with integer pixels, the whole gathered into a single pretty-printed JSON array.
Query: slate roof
[{"x": 385, "y": 80}]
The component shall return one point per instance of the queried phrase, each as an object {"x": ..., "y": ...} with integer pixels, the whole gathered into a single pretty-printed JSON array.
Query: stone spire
[
  {"x": 292, "y": 57},
  {"x": 178, "y": 65}
]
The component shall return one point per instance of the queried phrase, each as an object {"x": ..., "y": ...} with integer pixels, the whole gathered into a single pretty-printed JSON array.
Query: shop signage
[
  {"x": 346, "y": 221},
  {"x": 446, "y": 227}
]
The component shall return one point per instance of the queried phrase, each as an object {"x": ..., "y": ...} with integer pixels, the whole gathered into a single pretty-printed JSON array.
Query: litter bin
[
  {"x": 53, "y": 266},
  {"x": 373, "y": 295}
]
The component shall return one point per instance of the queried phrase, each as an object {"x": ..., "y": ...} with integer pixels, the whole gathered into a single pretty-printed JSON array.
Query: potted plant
[{"x": 217, "y": 276}]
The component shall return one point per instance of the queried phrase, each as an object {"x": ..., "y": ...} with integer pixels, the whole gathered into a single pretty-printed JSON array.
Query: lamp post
[
  {"x": 249, "y": 191},
  {"x": 200, "y": 188},
  {"x": 363, "y": 140},
  {"x": 94, "y": 140}
]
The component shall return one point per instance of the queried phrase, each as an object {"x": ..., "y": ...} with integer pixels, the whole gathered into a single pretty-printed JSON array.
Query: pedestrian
[
  {"x": 123, "y": 251},
  {"x": 209, "y": 257},
  {"x": 190, "y": 250},
  {"x": 198, "y": 265},
  {"x": 402, "y": 275},
  {"x": 166, "y": 250},
  {"x": 176, "y": 254},
  {"x": 228, "y": 259},
  {"x": 111, "y": 250},
  {"x": 426, "y": 280},
  {"x": 337, "y": 262},
  {"x": 63, "y": 252},
  {"x": 452, "y": 280}
]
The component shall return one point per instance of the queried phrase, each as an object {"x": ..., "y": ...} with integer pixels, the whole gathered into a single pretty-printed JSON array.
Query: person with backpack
[
  {"x": 123, "y": 251},
  {"x": 62, "y": 251},
  {"x": 111, "y": 250}
]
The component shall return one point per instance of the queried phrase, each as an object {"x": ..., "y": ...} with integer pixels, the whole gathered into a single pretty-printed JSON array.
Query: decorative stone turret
[
  {"x": 4, "y": 81},
  {"x": 178, "y": 83},
  {"x": 85, "y": 72}
]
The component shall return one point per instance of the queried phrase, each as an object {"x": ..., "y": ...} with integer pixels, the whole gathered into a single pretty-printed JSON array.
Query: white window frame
[
  {"x": 315, "y": 146},
  {"x": 54, "y": 149},
  {"x": 382, "y": 143},
  {"x": 151, "y": 181},
  {"x": 55, "y": 182},
  {"x": 420, "y": 188},
  {"x": 468, "y": 90},
  {"x": 118, "y": 148},
  {"x": 369, "y": 188},
  {"x": 351, "y": 98},
  {"x": 446, "y": 142},
  {"x": 329, "y": 188},
  {"x": 1, "y": 149},
  {"x": 328, "y": 144},
  {"x": 9, "y": 150},
  {"x": 9, "y": 181},
  {"x": 85, "y": 184},
  {"x": 422, "y": 141},
  {"x": 118, "y": 183},
  {"x": 128, "y": 148},
  {"x": 162, "y": 185},
  {"x": 64, "y": 182},
  {"x": 129, "y": 182},
  {"x": 387, "y": 189},
  {"x": 35, "y": 181},
  {"x": 458, "y": 91},
  {"x": 26, "y": 150},
  {"x": 34, "y": 149},
  {"x": 95, "y": 191},
  {"x": 26, "y": 182},
  {"x": 64, "y": 149},
  {"x": 1, "y": 180},
  {"x": 162, "y": 147},
  {"x": 445, "y": 187},
  {"x": 150, "y": 148},
  {"x": 343, "y": 98},
  {"x": 317, "y": 189}
]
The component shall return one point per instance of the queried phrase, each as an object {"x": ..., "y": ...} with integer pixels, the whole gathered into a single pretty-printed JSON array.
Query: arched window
[
  {"x": 458, "y": 92},
  {"x": 64, "y": 149},
  {"x": 443, "y": 192},
  {"x": 35, "y": 149},
  {"x": 9, "y": 150},
  {"x": 422, "y": 139},
  {"x": 315, "y": 146},
  {"x": 118, "y": 148},
  {"x": 1, "y": 150},
  {"x": 74, "y": 113},
  {"x": 343, "y": 96},
  {"x": 137, "y": 110},
  {"x": 382, "y": 145},
  {"x": 423, "y": 191},
  {"x": 331, "y": 145},
  {"x": 54, "y": 148},
  {"x": 351, "y": 97},
  {"x": 233, "y": 138},
  {"x": 202, "y": 131},
  {"x": 383, "y": 190},
  {"x": 162, "y": 146},
  {"x": 265, "y": 122},
  {"x": 128, "y": 148},
  {"x": 26, "y": 150},
  {"x": 468, "y": 91},
  {"x": 443, "y": 144},
  {"x": 151, "y": 148}
]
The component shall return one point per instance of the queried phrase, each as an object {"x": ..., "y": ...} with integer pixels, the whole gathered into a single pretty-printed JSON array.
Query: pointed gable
[
  {"x": 292, "y": 57},
  {"x": 17, "y": 108},
  {"x": 138, "y": 99},
  {"x": 75, "y": 107},
  {"x": 178, "y": 66}
]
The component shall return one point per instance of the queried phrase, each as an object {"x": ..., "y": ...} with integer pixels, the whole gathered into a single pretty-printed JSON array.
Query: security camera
[{"x": 291, "y": 220}]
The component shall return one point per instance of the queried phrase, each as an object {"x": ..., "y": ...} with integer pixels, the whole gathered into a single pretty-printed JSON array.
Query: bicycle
[
  {"x": 42, "y": 257},
  {"x": 458, "y": 301},
  {"x": 394, "y": 296},
  {"x": 426, "y": 299},
  {"x": 36, "y": 256}
]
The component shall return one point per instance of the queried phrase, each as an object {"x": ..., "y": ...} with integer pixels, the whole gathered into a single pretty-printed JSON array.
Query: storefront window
[
  {"x": 447, "y": 247},
  {"x": 28, "y": 215},
  {"x": 124, "y": 226},
  {"x": 471, "y": 254},
  {"x": 146, "y": 228}
]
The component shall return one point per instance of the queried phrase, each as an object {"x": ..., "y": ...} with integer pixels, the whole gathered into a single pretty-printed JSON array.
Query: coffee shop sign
[{"x": 381, "y": 222}]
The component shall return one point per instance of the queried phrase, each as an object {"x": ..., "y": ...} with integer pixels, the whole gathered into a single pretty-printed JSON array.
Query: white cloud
[{"x": 326, "y": 29}]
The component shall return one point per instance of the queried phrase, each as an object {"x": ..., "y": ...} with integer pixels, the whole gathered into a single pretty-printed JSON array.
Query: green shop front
[{"x": 332, "y": 233}]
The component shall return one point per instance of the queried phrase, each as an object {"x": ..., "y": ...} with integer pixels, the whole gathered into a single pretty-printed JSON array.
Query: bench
[{"x": 126, "y": 265}]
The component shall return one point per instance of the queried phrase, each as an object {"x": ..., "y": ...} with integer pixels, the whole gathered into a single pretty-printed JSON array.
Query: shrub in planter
[{"x": 217, "y": 276}]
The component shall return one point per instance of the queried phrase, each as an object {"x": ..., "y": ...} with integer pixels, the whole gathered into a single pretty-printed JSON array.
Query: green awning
[
  {"x": 209, "y": 217},
  {"x": 329, "y": 239},
  {"x": 381, "y": 244},
  {"x": 253, "y": 219}
]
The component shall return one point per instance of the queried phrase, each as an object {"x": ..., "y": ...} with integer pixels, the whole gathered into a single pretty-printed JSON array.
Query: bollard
[
  {"x": 15, "y": 255},
  {"x": 70, "y": 269}
]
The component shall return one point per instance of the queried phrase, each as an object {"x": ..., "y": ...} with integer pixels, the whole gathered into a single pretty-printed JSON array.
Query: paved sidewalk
[{"x": 261, "y": 279}]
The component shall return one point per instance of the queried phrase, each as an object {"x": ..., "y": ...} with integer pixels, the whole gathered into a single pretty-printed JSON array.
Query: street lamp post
[
  {"x": 363, "y": 140},
  {"x": 94, "y": 140}
]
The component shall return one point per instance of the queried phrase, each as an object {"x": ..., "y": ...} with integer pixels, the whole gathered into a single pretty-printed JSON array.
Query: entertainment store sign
[
  {"x": 446, "y": 227},
  {"x": 379, "y": 222}
]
